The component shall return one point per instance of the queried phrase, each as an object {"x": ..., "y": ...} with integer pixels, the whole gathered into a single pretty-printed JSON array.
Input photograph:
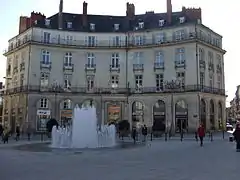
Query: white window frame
[
  {"x": 69, "y": 39},
  {"x": 115, "y": 60},
  {"x": 201, "y": 54},
  {"x": 181, "y": 78},
  {"x": 116, "y": 40},
  {"x": 138, "y": 82},
  {"x": 44, "y": 80},
  {"x": 179, "y": 35},
  {"x": 219, "y": 81},
  {"x": 90, "y": 83},
  {"x": 160, "y": 38},
  {"x": 161, "y": 22},
  {"x": 91, "y": 41},
  {"x": 68, "y": 59},
  {"x": 69, "y": 25},
  {"x": 159, "y": 58},
  {"x": 202, "y": 79},
  {"x": 47, "y": 22},
  {"x": 182, "y": 20},
  {"x": 46, "y": 37},
  {"x": 92, "y": 26},
  {"x": 116, "y": 27},
  {"x": 138, "y": 40},
  {"x": 67, "y": 104},
  {"x": 114, "y": 81},
  {"x": 159, "y": 78},
  {"x": 211, "y": 80},
  {"x": 46, "y": 57},
  {"x": 180, "y": 56},
  {"x": 141, "y": 25},
  {"x": 67, "y": 83},
  {"x": 138, "y": 58},
  {"x": 210, "y": 57},
  {"x": 90, "y": 60},
  {"x": 44, "y": 103}
]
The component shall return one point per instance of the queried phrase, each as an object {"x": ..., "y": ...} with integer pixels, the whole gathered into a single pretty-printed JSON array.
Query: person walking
[
  {"x": 5, "y": 136},
  {"x": 201, "y": 134},
  {"x": 144, "y": 132},
  {"x": 17, "y": 133},
  {"x": 134, "y": 134},
  {"x": 1, "y": 131},
  {"x": 236, "y": 135},
  {"x": 29, "y": 130}
]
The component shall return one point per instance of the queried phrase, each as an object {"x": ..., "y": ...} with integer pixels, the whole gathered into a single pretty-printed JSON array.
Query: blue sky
[{"x": 220, "y": 15}]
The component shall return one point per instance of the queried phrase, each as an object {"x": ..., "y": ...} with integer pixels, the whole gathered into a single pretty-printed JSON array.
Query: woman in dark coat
[{"x": 236, "y": 135}]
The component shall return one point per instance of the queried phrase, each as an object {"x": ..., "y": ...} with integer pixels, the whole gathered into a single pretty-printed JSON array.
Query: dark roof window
[
  {"x": 141, "y": 25},
  {"x": 182, "y": 19},
  {"x": 161, "y": 22},
  {"x": 47, "y": 22},
  {"x": 92, "y": 26},
  {"x": 116, "y": 27}
]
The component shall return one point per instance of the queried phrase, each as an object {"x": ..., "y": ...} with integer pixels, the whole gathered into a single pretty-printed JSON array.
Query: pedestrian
[
  {"x": 5, "y": 136},
  {"x": 134, "y": 134},
  {"x": 1, "y": 131},
  {"x": 201, "y": 134},
  {"x": 29, "y": 133},
  {"x": 236, "y": 135},
  {"x": 144, "y": 132},
  {"x": 17, "y": 133},
  {"x": 196, "y": 136}
]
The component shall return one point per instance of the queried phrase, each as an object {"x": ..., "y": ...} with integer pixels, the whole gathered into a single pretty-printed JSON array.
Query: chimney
[
  {"x": 169, "y": 11},
  {"x": 60, "y": 15},
  {"x": 84, "y": 15},
  {"x": 24, "y": 23},
  {"x": 130, "y": 12}
]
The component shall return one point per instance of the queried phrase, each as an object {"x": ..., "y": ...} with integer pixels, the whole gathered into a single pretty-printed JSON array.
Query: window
[
  {"x": 47, "y": 22},
  {"x": 219, "y": 59},
  {"x": 67, "y": 104},
  {"x": 210, "y": 57},
  {"x": 69, "y": 25},
  {"x": 115, "y": 60},
  {"x": 201, "y": 54},
  {"x": 45, "y": 57},
  {"x": 138, "y": 57},
  {"x": 161, "y": 22},
  {"x": 44, "y": 80},
  {"x": 43, "y": 103},
  {"x": 219, "y": 82},
  {"x": 90, "y": 83},
  {"x": 46, "y": 37},
  {"x": 141, "y": 25},
  {"x": 90, "y": 60},
  {"x": 182, "y": 20},
  {"x": 91, "y": 41},
  {"x": 202, "y": 79},
  {"x": 116, "y": 27},
  {"x": 21, "y": 79},
  {"x": 139, "y": 40},
  {"x": 181, "y": 79},
  {"x": 211, "y": 80},
  {"x": 69, "y": 40},
  {"x": 116, "y": 41},
  {"x": 67, "y": 83},
  {"x": 180, "y": 56},
  {"x": 15, "y": 81},
  {"x": 179, "y": 35},
  {"x": 68, "y": 59},
  {"x": 159, "y": 82},
  {"x": 160, "y": 38},
  {"x": 138, "y": 82},
  {"x": 159, "y": 58},
  {"x": 92, "y": 26},
  {"x": 114, "y": 81}
]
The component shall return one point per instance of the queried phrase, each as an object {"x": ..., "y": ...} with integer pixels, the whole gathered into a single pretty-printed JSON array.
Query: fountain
[{"x": 84, "y": 132}]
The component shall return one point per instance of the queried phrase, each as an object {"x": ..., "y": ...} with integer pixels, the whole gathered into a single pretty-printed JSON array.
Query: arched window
[
  {"x": 44, "y": 103},
  {"x": 67, "y": 104}
]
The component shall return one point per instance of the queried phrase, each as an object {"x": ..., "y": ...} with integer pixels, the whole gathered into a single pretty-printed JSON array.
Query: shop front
[
  {"x": 42, "y": 118},
  {"x": 114, "y": 113},
  {"x": 66, "y": 117}
]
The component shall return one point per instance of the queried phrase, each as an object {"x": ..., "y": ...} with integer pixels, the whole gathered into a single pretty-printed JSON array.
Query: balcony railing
[
  {"x": 100, "y": 90},
  {"x": 90, "y": 67},
  {"x": 158, "y": 65},
  {"x": 68, "y": 66},
  {"x": 138, "y": 67},
  {"x": 46, "y": 65},
  {"x": 114, "y": 68},
  {"x": 202, "y": 64},
  {"x": 148, "y": 41}
]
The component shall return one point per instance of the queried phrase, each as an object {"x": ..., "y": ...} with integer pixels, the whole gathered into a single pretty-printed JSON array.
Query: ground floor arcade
[{"x": 172, "y": 111}]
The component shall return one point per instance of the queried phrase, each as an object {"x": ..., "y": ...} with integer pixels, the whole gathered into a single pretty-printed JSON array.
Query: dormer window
[
  {"x": 47, "y": 22},
  {"x": 69, "y": 25},
  {"x": 36, "y": 21},
  {"x": 141, "y": 25},
  {"x": 182, "y": 20},
  {"x": 116, "y": 27},
  {"x": 161, "y": 22},
  {"x": 92, "y": 27}
]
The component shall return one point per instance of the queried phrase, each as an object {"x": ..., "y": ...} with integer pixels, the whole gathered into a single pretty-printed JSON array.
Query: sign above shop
[{"x": 41, "y": 112}]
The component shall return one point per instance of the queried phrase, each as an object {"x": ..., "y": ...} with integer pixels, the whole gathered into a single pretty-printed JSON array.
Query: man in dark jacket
[
  {"x": 236, "y": 135},
  {"x": 134, "y": 134},
  {"x": 144, "y": 132}
]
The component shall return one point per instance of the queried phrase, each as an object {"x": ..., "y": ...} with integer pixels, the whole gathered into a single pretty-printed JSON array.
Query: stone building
[{"x": 155, "y": 67}]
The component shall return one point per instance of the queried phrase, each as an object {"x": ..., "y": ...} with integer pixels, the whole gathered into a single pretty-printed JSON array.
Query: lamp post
[{"x": 172, "y": 85}]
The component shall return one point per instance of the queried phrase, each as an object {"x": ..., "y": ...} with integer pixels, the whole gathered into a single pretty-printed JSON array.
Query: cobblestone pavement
[{"x": 158, "y": 160}]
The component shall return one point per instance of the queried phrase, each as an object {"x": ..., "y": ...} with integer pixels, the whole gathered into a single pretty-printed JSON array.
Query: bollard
[
  {"x": 165, "y": 136},
  {"x": 211, "y": 136},
  {"x": 223, "y": 134},
  {"x": 181, "y": 136},
  {"x": 151, "y": 136}
]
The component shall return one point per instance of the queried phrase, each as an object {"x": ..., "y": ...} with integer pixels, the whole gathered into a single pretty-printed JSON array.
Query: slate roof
[{"x": 105, "y": 23}]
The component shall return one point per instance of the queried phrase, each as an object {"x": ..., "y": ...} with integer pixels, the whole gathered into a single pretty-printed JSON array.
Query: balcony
[
  {"x": 22, "y": 66},
  {"x": 179, "y": 64},
  {"x": 152, "y": 42},
  {"x": 114, "y": 68},
  {"x": 202, "y": 64},
  {"x": 90, "y": 67},
  {"x": 158, "y": 65},
  {"x": 46, "y": 65},
  {"x": 219, "y": 69},
  {"x": 68, "y": 67},
  {"x": 101, "y": 90},
  {"x": 138, "y": 67}
]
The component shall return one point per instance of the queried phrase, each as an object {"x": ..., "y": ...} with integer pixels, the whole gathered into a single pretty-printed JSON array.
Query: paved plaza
[{"x": 158, "y": 160}]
